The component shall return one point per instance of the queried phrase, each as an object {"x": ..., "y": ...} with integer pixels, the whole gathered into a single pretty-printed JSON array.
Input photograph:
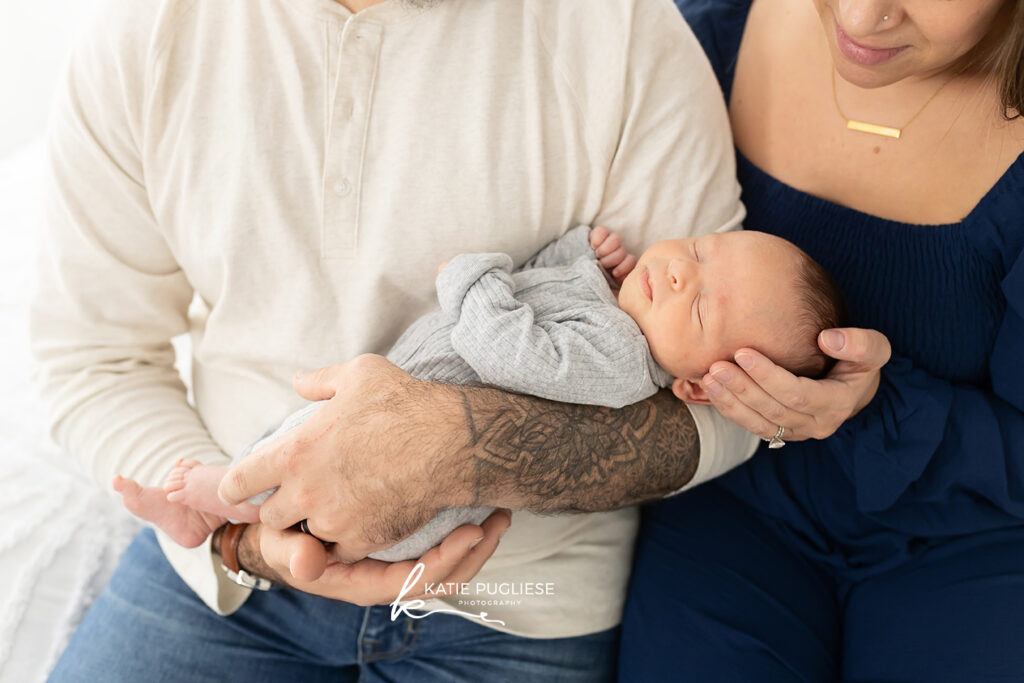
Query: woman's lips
[
  {"x": 868, "y": 56},
  {"x": 645, "y": 284}
]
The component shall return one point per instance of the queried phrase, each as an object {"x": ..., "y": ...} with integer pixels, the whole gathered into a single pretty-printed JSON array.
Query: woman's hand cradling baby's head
[{"x": 760, "y": 396}]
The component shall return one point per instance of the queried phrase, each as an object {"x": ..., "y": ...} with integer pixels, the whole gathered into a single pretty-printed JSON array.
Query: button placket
[{"x": 358, "y": 52}]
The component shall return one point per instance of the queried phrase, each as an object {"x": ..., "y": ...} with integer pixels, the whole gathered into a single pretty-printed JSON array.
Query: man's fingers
[
  {"x": 371, "y": 582},
  {"x": 282, "y": 549},
  {"x": 282, "y": 511},
  {"x": 317, "y": 385},
  {"x": 494, "y": 528},
  {"x": 308, "y": 560},
  {"x": 869, "y": 348},
  {"x": 461, "y": 555},
  {"x": 254, "y": 474},
  {"x": 441, "y": 561}
]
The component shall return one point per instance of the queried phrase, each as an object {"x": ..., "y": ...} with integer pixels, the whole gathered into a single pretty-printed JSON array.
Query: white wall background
[
  {"x": 35, "y": 36},
  {"x": 60, "y": 536}
]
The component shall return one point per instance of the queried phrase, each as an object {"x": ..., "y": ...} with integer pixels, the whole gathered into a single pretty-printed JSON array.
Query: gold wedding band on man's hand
[{"x": 776, "y": 441}]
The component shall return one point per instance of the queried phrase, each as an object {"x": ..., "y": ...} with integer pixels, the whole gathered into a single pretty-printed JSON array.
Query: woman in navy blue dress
[{"x": 885, "y": 542}]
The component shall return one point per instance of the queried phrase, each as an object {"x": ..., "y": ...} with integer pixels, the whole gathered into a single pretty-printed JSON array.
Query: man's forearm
[
  {"x": 249, "y": 556},
  {"x": 531, "y": 453}
]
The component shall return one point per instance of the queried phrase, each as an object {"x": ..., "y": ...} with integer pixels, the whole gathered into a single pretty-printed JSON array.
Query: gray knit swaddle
[{"x": 552, "y": 329}]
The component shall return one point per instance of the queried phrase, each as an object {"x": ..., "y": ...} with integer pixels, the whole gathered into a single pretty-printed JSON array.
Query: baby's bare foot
[
  {"x": 186, "y": 526},
  {"x": 194, "y": 484}
]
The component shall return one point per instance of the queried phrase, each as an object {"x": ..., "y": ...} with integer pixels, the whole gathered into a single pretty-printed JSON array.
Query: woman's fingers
[
  {"x": 738, "y": 397},
  {"x": 781, "y": 393},
  {"x": 869, "y": 348},
  {"x": 771, "y": 391},
  {"x": 761, "y": 396}
]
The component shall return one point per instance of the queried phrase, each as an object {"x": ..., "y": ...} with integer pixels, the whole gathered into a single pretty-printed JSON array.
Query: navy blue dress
[{"x": 893, "y": 550}]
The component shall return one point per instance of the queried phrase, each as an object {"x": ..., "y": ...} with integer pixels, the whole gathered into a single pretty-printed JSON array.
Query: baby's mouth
[{"x": 645, "y": 284}]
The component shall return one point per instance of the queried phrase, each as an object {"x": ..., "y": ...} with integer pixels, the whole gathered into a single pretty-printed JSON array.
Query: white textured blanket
[{"x": 60, "y": 536}]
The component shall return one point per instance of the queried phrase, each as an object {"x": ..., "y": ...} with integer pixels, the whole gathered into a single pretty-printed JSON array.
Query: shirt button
[{"x": 342, "y": 187}]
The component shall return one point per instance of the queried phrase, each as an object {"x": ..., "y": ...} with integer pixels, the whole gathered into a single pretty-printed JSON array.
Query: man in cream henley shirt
[{"x": 296, "y": 173}]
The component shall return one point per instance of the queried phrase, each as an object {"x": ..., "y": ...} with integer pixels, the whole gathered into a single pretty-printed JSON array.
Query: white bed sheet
[{"x": 60, "y": 535}]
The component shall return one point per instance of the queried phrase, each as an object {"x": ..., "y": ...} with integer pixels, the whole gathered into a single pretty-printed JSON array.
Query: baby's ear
[{"x": 690, "y": 391}]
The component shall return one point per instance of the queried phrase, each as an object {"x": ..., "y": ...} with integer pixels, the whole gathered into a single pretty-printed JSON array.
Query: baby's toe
[{"x": 126, "y": 487}]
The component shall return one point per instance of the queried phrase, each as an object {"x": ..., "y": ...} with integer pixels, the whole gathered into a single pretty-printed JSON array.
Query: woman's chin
[{"x": 868, "y": 77}]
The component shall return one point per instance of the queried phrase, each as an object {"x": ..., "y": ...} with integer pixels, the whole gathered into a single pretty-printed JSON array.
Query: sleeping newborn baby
[{"x": 578, "y": 323}]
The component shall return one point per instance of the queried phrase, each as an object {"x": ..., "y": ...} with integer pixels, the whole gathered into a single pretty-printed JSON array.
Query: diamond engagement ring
[{"x": 776, "y": 441}]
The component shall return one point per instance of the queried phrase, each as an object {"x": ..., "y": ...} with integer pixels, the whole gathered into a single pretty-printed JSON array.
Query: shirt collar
[{"x": 387, "y": 12}]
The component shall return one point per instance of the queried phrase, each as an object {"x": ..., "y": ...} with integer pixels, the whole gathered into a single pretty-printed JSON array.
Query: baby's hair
[{"x": 823, "y": 307}]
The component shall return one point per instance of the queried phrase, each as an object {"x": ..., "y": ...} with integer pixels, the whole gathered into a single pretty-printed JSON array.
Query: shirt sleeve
[
  {"x": 924, "y": 441},
  {"x": 109, "y": 295},
  {"x": 576, "y": 358},
  {"x": 673, "y": 172}
]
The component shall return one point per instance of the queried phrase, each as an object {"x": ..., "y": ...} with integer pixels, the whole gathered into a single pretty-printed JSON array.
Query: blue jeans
[{"x": 147, "y": 625}]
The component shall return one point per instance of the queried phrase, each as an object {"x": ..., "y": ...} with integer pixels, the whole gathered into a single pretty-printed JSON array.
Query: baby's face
[{"x": 699, "y": 300}]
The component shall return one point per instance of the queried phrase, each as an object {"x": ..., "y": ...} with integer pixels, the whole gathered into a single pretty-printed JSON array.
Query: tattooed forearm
[{"x": 555, "y": 457}]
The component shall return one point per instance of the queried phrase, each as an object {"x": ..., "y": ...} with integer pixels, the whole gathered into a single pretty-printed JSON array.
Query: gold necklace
[{"x": 874, "y": 128}]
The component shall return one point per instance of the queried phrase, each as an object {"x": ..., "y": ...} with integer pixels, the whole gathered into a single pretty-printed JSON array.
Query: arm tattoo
[{"x": 551, "y": 457}]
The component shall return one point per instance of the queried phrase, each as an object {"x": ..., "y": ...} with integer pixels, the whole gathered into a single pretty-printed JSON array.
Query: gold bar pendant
[{"x": 873, "y": 128}]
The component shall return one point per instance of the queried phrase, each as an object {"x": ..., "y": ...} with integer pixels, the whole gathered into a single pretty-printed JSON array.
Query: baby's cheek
[{"x": 678, "y": 359}]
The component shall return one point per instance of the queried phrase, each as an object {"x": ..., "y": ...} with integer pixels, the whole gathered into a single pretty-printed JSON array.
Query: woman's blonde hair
[
  {"x": 1001, "y": 54},
  {"x": 1008, "y": 63}
]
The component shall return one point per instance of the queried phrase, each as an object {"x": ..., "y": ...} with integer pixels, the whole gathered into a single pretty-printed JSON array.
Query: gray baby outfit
[{"x": 551, "y": 329}]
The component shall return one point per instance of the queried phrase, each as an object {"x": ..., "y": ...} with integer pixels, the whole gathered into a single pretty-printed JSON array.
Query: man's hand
[
  {"x": 272, "y": 554},
  {"x": 612, "y": 256},
  {"x": 387, "y": 451},
  {"x": 367, "y": 469}
]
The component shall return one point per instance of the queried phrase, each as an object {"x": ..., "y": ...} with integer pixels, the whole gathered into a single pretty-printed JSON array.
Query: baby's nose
[{"x": 676, "y": 274}]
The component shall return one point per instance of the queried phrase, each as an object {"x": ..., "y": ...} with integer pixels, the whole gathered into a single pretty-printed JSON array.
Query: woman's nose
[{"x": 861, "y": 18}]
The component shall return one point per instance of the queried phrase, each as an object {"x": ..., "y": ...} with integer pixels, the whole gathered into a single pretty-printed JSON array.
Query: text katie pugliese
[{"x": 481, "y": 588}]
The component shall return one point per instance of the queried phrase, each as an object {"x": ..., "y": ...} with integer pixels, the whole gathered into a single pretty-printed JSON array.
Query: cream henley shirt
[{"x": 296, "y": 173}]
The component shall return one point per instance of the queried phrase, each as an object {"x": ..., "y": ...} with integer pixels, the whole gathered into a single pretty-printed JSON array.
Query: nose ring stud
[{"x": 885, "y": 18}]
